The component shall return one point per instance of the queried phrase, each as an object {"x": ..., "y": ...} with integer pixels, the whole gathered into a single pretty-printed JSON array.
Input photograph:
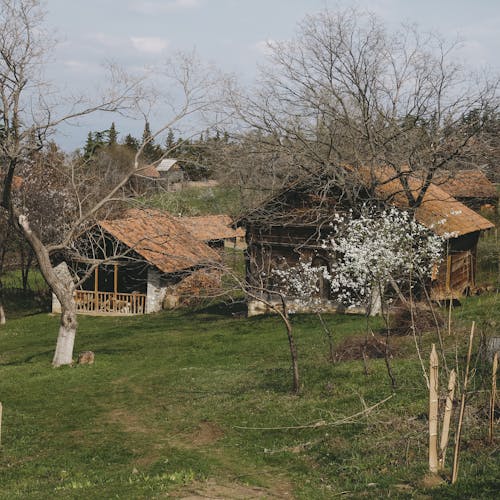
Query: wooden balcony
[{"x": 90, "y": 302}]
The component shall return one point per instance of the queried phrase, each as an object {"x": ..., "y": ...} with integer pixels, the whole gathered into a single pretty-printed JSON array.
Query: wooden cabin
[
  {"x": 132, "y": 265},
  {"x": 171, "y": 172},
  {"x": 291, "y": 226}
]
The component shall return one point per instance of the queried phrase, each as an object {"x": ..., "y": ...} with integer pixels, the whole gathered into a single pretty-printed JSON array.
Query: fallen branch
[{"x": 320, "y": 423}]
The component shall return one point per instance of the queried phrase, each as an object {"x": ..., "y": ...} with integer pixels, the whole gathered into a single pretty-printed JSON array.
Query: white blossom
[{"x": 366, "y": 253}]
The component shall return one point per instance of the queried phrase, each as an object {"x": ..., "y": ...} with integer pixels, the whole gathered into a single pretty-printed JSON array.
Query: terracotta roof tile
[
  {"x": 148, "y": 171},
  {"x": 466, "y": 184},
  {"x": 211, "y": 227},
  {"x": 160, "y": 239},
  {"x": 438, "y": 211}
]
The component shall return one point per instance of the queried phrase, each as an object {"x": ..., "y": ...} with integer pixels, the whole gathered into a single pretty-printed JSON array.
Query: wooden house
[
  {"x": 170, "y": 172},
  {"x": 146, "y": 179},
  {"x": 291, "y": 226},
  {"x": 133, "y": 263},
  {"x": 471, "y": 187}
]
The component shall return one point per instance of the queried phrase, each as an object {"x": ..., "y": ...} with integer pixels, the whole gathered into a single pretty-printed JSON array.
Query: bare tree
[
  {"x": 28, "y": 117},
  {"x": 345, "y": 90}
]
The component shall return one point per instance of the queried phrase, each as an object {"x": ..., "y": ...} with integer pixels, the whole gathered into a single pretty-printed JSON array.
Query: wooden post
[
  {"x": 433, "y": 410},
  {"x": 493, "y": 397},
  {"x": 454, "y": 475},
  {"x": 115, "y": 279},
  {"x": 96, "y": 288},
  {"x": 445, "y": 431},
  {"x": 1, "y": 411}
]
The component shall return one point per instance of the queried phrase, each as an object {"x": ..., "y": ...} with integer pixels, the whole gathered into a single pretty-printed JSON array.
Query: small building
[
  {"x": 170, "y": 172},
  {"x": 216, "y": 231},
  {"x": 146, "y": 179},
  {"x": 132, "y": 264},
  {"x": 471, "y": 187},
  {"x": 292, "y": 225}
]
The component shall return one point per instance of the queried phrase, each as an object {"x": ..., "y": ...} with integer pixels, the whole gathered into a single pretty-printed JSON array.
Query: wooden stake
[
  {"x": 1, "y": 411},
  {"x": 449, "y": 318},
  {"x": 433, "y": 410},
  {"x": 454, "y": 475},
  {"x": 445, "y": 431},
  {"x": 493, "y": 397}
]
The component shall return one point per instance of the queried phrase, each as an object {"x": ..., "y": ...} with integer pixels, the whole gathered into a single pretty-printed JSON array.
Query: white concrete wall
[
  {"x": 256, "y": 308},
  {"x": 156, "y": 291}
]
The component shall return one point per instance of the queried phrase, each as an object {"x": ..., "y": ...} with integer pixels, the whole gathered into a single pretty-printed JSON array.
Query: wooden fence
[{"x": 110, "y": 302}]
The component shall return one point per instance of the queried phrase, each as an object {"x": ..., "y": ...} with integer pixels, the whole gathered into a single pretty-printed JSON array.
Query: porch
[
  {"x": 92, "y": 302},
  {"x": 116, "y": 289}
]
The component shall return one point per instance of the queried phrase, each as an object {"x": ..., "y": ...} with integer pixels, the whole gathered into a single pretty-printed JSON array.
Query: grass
[
  {"x": 172, "y": 404},
  {"x": 198, "y": 201},
  {"x": 13, "y": 279}
]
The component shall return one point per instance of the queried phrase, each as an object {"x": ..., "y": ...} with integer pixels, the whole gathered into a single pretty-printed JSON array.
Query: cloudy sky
[{"x": 229, "y": 33}]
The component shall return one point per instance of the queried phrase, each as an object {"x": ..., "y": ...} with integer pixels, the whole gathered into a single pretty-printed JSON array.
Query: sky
[{"x": 231, "y": 34}]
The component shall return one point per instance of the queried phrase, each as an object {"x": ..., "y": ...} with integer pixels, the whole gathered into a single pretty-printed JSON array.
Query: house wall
[
  {"x": 256, "y": 307},
  {"x": 274, "y": 247},
  {"x": 172, "y": 176},
  {"x": 156, "y": 291},
  {"x": 456, "y": 275}
]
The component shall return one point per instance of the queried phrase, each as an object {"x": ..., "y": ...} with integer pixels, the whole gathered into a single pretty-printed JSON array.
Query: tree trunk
[
  {"x": 62, "y": 286},
  {"x": 329, "y": 336},
  {"x": 291, "y": 343},
  {"x": 26, "y": 267},
  {"x": 67, "y": 331},
  {"x": 2, "y": 310},
  {"x": 294, "y": 357},
  {"x": 375, "y": 305}
]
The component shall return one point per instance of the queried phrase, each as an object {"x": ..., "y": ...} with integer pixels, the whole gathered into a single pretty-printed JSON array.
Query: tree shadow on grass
[
  {"x": 29, "y": 359},
  {"x": 227, "y": 310},
  {"x": 278, "y": 380}
]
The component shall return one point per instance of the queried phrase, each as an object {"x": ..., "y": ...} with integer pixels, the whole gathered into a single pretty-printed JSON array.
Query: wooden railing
[{"x": 109, "y": 302}]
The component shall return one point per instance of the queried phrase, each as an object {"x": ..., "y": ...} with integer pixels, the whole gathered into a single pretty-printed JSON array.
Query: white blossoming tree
[
  {"x": 377, "y": 251},
  {"x": 368, "y": 255}
]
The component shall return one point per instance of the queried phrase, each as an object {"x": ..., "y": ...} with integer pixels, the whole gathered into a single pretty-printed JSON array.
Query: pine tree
[
  {"x": 112, "y": 135},
  {"x": 170, "y": 141},
  {"x": 149, "y": 151},
  {"x": 131, "y": 142},
  {"x": 89, "y": 148}
]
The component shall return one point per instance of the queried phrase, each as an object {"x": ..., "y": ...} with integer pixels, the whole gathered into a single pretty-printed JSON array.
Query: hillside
[{"x": 198, "y": 403}]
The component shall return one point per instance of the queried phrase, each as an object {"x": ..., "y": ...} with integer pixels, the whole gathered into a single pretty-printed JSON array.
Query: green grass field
[
  {"x": 197, "y": 403},
  {"x": 198, "y": 201}
]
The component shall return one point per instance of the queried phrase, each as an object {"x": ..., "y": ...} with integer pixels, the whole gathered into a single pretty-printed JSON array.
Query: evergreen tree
[
  {"x": 151, "y": 152},
  {"x": 170, "y": 141},
  {"x": 131, "y": 142},
  {"x": 88, "y": 149},
  {"x": 112, "y": 135}
]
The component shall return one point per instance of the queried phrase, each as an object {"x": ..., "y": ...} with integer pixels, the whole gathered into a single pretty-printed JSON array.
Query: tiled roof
[
  {"x": 211, "y": 227},
  {"x": 466, "y": 184},
  {"x": 439, "y": 211},
  {"x": 148, "y": 171},
  {"x": 160, "y": 239}
]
